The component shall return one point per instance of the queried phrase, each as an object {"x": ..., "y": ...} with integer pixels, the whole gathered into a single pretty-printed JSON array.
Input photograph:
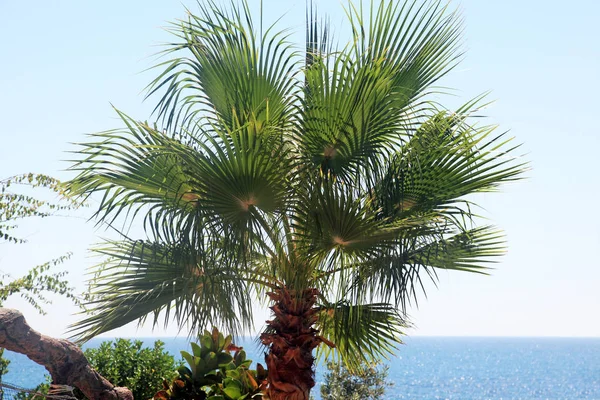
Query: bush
[
  {"x": 38, "y": 393},
  {"x": 127, "y": 363},
  {"x": 217, "y": 370},
  {"x": 367, "y": 384}
]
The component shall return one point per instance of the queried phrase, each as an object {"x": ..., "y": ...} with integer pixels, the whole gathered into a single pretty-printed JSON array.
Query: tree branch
[{"x": 64, "y": 360}]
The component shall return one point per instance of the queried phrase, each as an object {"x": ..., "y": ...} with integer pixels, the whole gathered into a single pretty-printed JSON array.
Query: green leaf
[
  {"x": 196, "y": 350},
  {"x": 224, "y": 358},
  {"x": 232, "y": 388}
]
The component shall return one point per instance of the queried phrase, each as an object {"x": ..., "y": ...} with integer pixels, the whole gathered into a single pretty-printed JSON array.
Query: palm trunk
[{"x": 291, "y": 339}]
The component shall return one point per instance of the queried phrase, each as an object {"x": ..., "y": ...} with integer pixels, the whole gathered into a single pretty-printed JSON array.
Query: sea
[{"x": 462, "y": 368}]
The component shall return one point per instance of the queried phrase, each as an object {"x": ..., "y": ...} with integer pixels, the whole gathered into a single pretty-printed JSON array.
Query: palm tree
[{"x": 325, "y": 184}]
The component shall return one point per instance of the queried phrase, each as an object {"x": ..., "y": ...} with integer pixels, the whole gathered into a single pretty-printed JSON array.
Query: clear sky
[{"x": 63, "y": 62}]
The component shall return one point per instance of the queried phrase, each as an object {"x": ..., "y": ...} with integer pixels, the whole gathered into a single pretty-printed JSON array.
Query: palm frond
[
  {"x": 446, "y": 160},
  {"x": 167, "y": 281},
  {"x": 214, "y": 185},
  {"x": 328, "y": 221},
  {"x": 128, "y": 169},
  {"x": 364, "y": 332},
  {"x": 398, "y": 276},
  {"x": 230, "y": 73},
  {"x": 239, "y": 172},
  {"x": 361, "y": 101}
]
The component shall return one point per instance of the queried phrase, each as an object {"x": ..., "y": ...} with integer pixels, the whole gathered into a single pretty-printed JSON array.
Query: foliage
[
  {"x": 15, "y": 206},
  {"x": 213, "y": 373},
  {"x": 39, "y": 280},
  {"x": 38, "y": 392},
  {"x": 326, "y": 181},
  {"x": 127, "y": 363},
  {"x": 3, "y": 364},
  {"x": 367, "y": 383}
]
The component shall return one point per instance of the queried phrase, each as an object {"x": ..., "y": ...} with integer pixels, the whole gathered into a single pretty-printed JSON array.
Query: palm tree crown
[{"x": 324, "y": 182}]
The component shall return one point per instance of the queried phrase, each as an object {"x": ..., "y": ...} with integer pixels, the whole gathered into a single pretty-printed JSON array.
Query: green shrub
[
  {"x": 214, "y": 373},
  {"x": 127, "y": 363},
  {"x": 37, "y": 393},
  {"x": 369, "y": 383}
]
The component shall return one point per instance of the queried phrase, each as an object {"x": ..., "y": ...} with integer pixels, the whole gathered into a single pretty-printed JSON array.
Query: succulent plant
[{"x": 214, "y": 373}]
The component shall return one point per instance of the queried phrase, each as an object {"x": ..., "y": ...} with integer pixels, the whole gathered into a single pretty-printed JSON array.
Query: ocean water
[{"x": 448, "y": 368}]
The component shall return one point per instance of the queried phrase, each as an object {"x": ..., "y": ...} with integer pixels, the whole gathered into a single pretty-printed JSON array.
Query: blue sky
[{"x": 63, "y": 62}]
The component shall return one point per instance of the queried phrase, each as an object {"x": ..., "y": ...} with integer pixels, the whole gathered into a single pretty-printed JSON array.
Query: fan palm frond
[
  {"x": 360, "y": 102},
  {"x": 361, "y": 333},
  {"x": 398, "y": 276},
  {"x": 230, "y": 72},
  {"x": 446, "y": 160},
  {"x": 142, "y": 278}
]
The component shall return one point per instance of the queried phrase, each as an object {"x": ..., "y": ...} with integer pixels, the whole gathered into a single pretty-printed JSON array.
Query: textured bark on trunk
[
  {"x": 65, "y": 361},
  {"x": 291, "y": 340}
]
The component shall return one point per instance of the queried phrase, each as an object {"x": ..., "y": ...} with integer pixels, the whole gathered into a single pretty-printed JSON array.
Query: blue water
[{"x": 450, "y": 368}]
